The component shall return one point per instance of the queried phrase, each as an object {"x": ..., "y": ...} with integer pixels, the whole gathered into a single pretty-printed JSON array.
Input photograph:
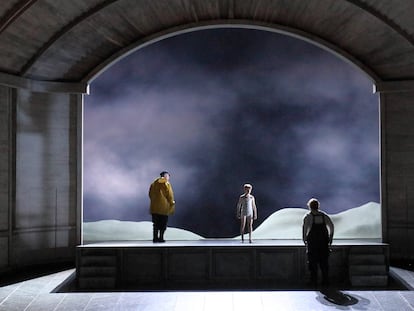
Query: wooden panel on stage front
[
  {"x": 278, "y": 264},
  {"x": 233, "y": 264},
  {"x": 188, "y": 265},
  {"x": 208, "y": 264},
  {"x": 142, "y": 266}
]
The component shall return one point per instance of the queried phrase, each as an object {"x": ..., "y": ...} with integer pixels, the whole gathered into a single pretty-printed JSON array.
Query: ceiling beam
[
  {"x": 384, "y": 19},
  {"x": 62, "y": 32},
  {"x": 43, "y": 86},
  {"x": 15, "y": 13}
]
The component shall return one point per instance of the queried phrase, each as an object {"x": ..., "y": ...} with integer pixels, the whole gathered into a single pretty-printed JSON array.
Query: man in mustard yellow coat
[{"x": 162, "y": 205}]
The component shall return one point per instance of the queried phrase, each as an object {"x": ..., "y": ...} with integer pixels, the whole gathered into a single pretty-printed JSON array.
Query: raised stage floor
[{"x": 224, "y": 264}]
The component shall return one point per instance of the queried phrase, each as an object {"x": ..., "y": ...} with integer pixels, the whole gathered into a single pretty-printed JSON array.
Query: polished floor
[{"x": 45, "y": 293}]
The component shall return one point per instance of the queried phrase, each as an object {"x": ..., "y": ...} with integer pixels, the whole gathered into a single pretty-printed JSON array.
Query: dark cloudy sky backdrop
[{"x": 221, "y": 107}]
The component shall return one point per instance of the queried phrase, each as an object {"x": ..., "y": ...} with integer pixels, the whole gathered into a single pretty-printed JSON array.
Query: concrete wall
[
  {"x": 397, "y": 165},
  {"x": 39, "y": 176}
]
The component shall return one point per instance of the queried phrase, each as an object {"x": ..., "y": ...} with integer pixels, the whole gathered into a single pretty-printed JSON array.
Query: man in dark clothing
[{"x": 317, "y": 234}]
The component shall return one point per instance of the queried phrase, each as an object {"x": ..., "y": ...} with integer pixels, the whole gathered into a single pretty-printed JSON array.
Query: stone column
[{"x": 397, "y": 167}]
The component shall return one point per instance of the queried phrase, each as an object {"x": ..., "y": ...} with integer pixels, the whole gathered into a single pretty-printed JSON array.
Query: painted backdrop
[{"x": 221, "y": 107}]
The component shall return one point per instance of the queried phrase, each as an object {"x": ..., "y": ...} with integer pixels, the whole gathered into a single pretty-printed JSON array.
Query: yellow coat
[{"x": 161, "y": 197}]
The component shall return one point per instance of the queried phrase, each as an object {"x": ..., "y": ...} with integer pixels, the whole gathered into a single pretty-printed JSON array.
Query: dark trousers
[
  {"x": 318, "y": 258},
  {"x": 159, "y": 223}
]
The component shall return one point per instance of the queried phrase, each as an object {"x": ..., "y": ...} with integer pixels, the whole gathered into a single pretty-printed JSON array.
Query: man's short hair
[
  {"x": 247, "y": 186},
  {"x": 162, "y": 174},
  {"x": 313, "y": 204}
]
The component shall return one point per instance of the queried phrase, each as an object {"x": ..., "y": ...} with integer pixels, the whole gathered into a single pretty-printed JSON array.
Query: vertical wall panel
[
  {"x": 397, "y": 164},
  {"x": 4, "y": 156},
  {"x": 46, "y": 175},
  {"x": 6, "y": 179}
]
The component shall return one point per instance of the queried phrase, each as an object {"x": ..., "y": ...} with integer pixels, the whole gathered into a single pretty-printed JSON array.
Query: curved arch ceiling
[{"x": 71, "y": 41}]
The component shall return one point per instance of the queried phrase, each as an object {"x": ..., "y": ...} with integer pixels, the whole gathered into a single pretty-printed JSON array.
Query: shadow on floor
[
  {"x": 31, "y": 272},
  {"x": 338, "y": 298}
]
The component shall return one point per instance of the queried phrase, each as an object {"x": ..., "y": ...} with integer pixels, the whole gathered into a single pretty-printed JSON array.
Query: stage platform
[{"x": 223, "y": 264}]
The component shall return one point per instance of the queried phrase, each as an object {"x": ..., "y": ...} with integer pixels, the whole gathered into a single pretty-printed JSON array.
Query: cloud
[{"x": 219, "y": 108}]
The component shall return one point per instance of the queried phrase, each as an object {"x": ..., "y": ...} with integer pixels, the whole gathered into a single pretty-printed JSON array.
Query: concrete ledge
[{"x": 203, "y": 264}]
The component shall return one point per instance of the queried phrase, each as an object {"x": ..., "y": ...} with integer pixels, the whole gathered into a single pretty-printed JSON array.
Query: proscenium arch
[
  {"x": 277, "y": 29},
  {"x": 192, "y": 27}
]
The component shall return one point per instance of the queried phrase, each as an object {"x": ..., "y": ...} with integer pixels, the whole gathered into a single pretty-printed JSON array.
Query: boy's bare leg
[
  {"x": 242, "y": 225},
  {"x": 250, "y": 224}
]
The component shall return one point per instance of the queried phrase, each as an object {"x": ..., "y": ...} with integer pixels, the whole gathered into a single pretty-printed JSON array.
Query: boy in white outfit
[{"x": 246, "y": 211}]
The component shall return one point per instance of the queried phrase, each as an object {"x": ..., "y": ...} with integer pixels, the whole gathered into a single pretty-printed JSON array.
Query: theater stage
[{"x": 224, "y": 264}]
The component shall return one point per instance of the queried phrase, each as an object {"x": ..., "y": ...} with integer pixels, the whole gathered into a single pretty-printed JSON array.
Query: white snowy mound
[
  {"x": 363, "y": 222},
  {"x": 116, "y": 230}
]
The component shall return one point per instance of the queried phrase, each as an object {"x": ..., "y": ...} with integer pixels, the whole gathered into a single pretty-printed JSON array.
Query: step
[
  {"x": 98, "y": 261},
  {"x": 368, "y": 270},
  {"x": 88, "y": 271},
  {"x": 367, "y": 259},
  {"x": 96, "y": 282},
  {"x": 97, "y": 252},
  {"x": 374, "y": 280},
  {"x": 365, "y": 250}
]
